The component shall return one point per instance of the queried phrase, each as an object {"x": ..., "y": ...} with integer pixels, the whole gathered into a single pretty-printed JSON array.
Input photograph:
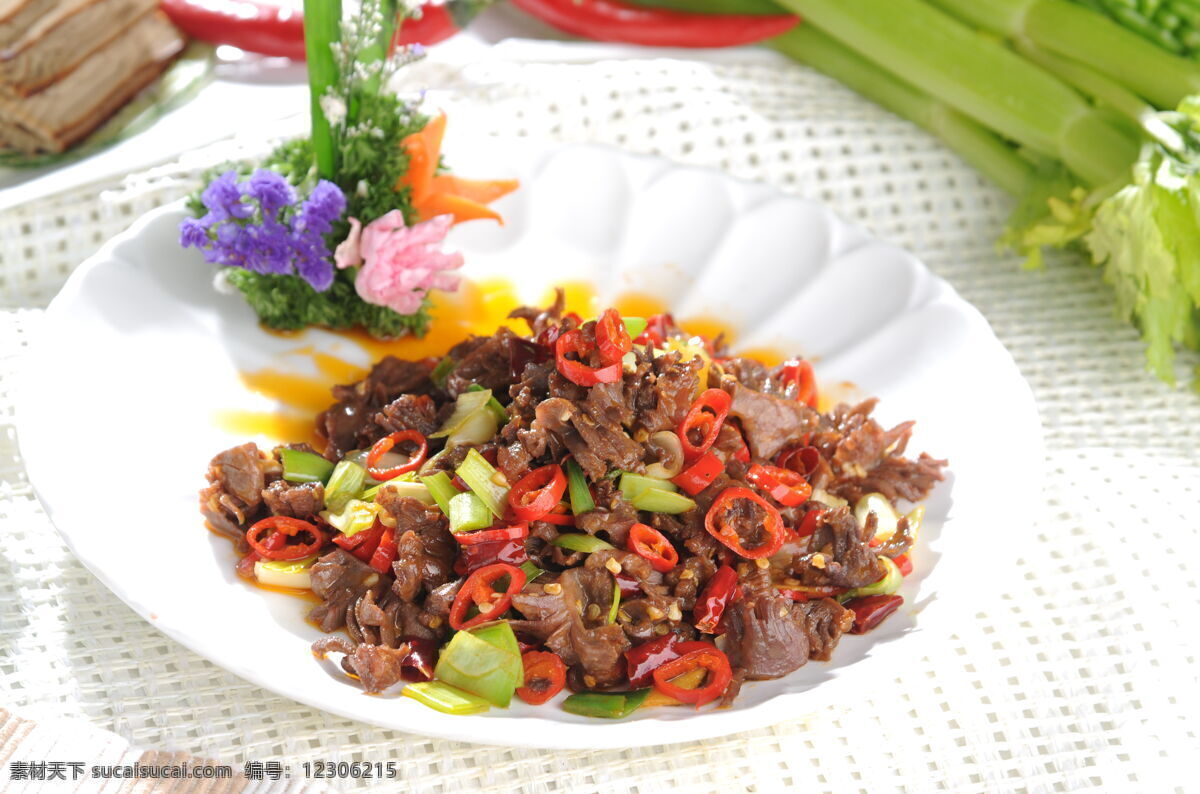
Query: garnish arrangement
[
  {"x": 344, "y": 229},
  {"x": 610, "y": 506}
]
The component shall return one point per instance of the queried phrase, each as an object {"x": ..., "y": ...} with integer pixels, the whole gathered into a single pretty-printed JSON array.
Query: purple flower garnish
[{"x": 259, "y": 225}]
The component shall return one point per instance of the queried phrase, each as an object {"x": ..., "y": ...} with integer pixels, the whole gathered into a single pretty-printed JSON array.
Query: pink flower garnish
[
  {"x": 401, "y": 264},
  {"x": 348, "y": 252}
]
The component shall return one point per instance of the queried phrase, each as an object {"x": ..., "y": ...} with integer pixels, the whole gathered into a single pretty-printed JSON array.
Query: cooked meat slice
[
  {"x": 408, "y": 412},
  {"x": 425, "y": 549},
  {"x": 837, "y": 554},
  {"x": 541, "y": 319},
  {"x": 236, "y": 479},
  {"x": 687, "y": 579},
  {"x": 339, "y": 579},
  {"x": 596, "y": 447},
  {"x": 573, "y": 622},
  {"x": 825, "y": 621},
  {"x": 613, "y": 517},
  {"x": 297, "y": 500},
  {"x": 486, "y": 365},
  {"x": 760, "y": 634},
  {"x": 770, "y": 423},
  {"x": 666, "y": 392},
  {"x": 351, "y": 417},
  {"x": 378, "y": 667}
]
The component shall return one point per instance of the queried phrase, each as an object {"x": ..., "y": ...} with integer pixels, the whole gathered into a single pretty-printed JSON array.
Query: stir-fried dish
[{"x": 610, "y": 506}]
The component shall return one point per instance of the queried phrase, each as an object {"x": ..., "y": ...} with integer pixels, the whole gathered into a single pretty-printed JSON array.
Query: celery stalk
[
  {"x": 345, "y": 483},
  {"x": 301, "y": 466},
  {"x": 445, "y": 698},
  {"x": 976, "y": 144},
  {"x": 980, "y": 77},
  {"x": 1099, "y": 87},
  {"x": 1089, "y": 38},
  {"x": 634, "y": 485},
  {"x": 488, "y": 666}
]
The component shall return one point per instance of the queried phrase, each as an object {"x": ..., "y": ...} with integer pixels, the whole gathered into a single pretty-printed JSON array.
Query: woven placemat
[{"x": 1079, "y": 667}]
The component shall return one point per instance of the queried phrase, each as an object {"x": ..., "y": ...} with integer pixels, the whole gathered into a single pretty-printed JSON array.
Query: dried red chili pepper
[
  {"x": 808, "y": 524},
  {"x": 713, "y": 599},
  {"x": 385, "y": 552},
  {"x": 642, "y": 660},
  {"x": 545, "y": 677},
  {"x": 870, "y": 611}
]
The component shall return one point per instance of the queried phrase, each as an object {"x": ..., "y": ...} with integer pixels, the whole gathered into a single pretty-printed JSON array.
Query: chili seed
[
  {"x": 655, "y": 613},
  {"x": 485, "y": 608},
  {"x": 371, "y": 580},
  {"x": 687, "y": 573},
  {"x": 624, "y": 616},
  {"x": 612, "y": 565},
  {"x": 434, "y": 621},
  {"x": 554, "y": 588},
  {"x": 675, "y": 613},
  {"x": 589, "y": 680},
  {"x": 762, "y": 562},
  {"x": 818, "y": 560},
  {"x": 661, "y": 628},
  {"x": 593, "y": 611}
]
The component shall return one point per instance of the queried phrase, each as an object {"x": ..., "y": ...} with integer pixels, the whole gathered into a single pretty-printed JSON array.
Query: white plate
[{"x": 138, "y": 351}]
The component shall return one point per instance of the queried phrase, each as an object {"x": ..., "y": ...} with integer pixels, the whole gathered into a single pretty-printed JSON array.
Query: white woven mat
[{"x": 1079, "y": 669}]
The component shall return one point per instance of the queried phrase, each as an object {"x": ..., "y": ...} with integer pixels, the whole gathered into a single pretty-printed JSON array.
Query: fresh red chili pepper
[
  {"x": 784, "y": 485},
  {"x": 609, "y": 20},
  {"x": 642, "y": 660},
  {"x": 711, "y": 659},
  {"x": 903, "y": 563},
  {"x": 802, "y": 460},
  {"x": 653, "y": 546},
  {"x": 771, "y": 524},
  {"x": 385, "y": 552},
  {"x": 870, "y": 611},
  {"x": 698, "y": 476},
  {"x": 800, "y": 372},
  {"x": 717, "y": 592},
  {"x": 743, "y": 453},
  {"x": 656, "y": 331},
  {"x": 576, "y": 371},
  {"x": 385, "y": 444},
  {"x": 245, "y": 566},
  {"x": 612, "y": 338},
  {"x": 494, "y": 535},
  {"x": 808, "y": 524},
  {"x": 704, "y": 418},
  {"x": 278, "y": 30},
  {"x": 478, "y": 591},
  {"x": 560, "y": 515},
  {"x": 537, "y": 493},
  {"x": 362, "y": 544},
  {"x": 270, "y": 549},
  {"x": 545, "y": 677}
]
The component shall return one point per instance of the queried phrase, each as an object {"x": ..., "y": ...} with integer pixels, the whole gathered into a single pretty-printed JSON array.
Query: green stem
[
  {"x": 981, "y": 148},
  {"x": 322, "y": 20},
  {"x": 1089, "y": 37},
  {"x": 1089, "y": 81},
  {"x": 978, "y": 76}
]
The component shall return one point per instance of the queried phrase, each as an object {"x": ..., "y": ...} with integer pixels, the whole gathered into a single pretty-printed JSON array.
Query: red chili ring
[{"x": 385, "y": 444}]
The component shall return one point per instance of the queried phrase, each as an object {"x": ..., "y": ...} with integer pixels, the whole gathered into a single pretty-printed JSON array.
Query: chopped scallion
[
  {"x": 531, "y": 571},
  {"x": 659, "y": 501},
  {"x": 356, "y": 516},
  {"x": 634, "y": 485},
  {"x": 345, "y": 483},
  {"x": 581, "y": 495},
  {"x": 616, "y": 604},
  {"x": 441, "y": 489},
  {"x": 472, "y": 422},
  {"x": 441, "y": 372},
  {"x": 602, "y": 704},
  {"x": 577, "y": 541},
  {"x": 301, "y": 466},
  {"x": 468, "y": 512},
  {"x": 493, "y": 404},
  {"x": 445, "y": 698},
  {"x": 481, "y": 477}
]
